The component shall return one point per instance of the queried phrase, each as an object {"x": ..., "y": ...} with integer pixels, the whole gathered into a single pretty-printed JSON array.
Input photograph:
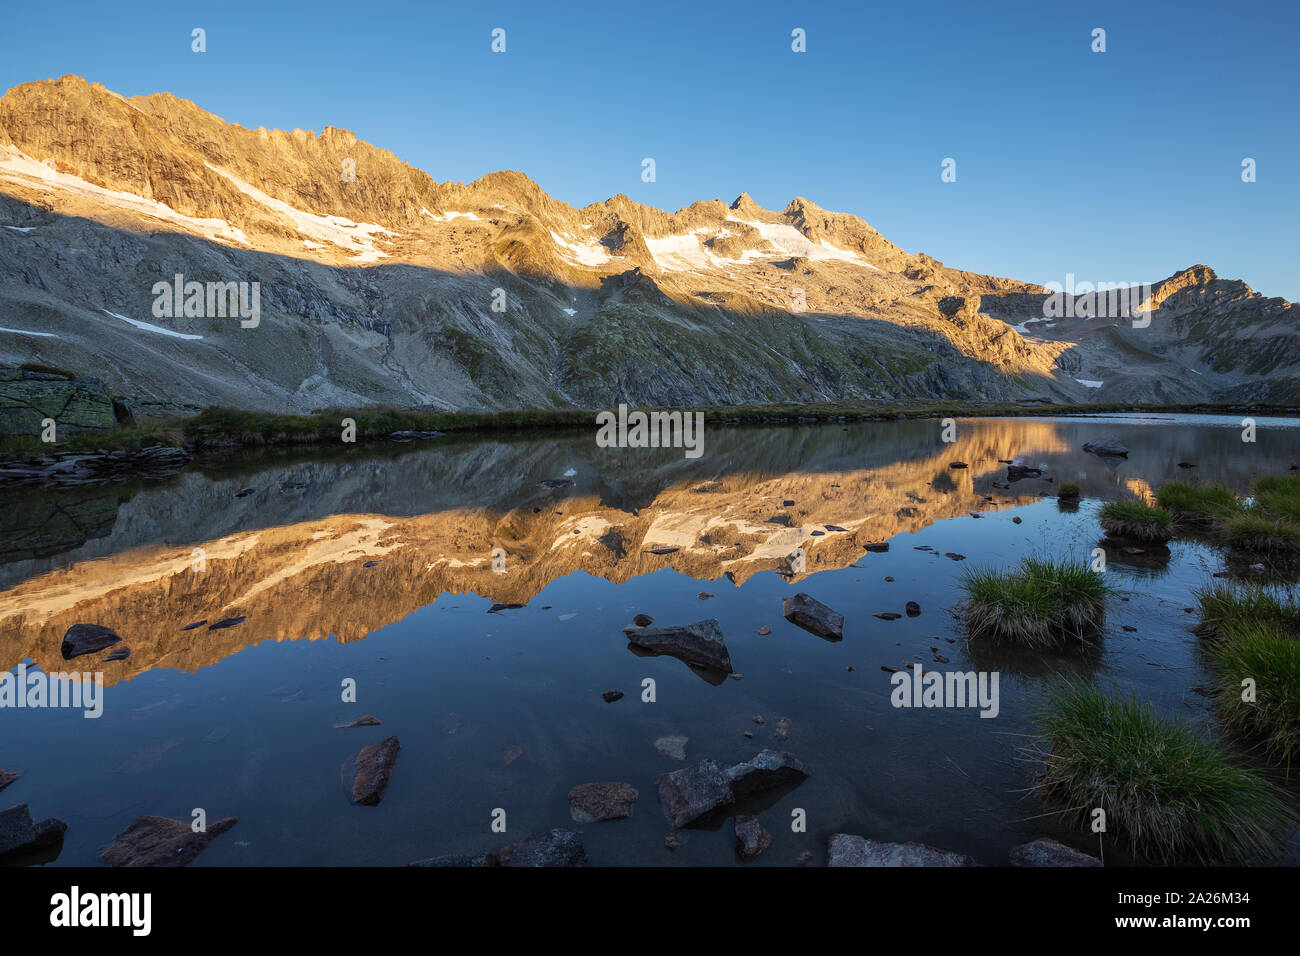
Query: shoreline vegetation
[{"x": 217, "y": 428}]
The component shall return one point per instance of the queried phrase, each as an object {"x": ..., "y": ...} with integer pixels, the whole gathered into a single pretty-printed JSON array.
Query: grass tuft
[
  {"x": 1270, "y": 656},
  {"x": 1168, "y": 794},
  {"x": 1039, "y": 604},
  {"x": 1137, "y": 521},
  {"x": 1196, "y": 504}
]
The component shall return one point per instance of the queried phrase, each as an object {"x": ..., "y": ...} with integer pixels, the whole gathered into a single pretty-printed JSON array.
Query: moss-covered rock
[{"x": 28, "y": 396}]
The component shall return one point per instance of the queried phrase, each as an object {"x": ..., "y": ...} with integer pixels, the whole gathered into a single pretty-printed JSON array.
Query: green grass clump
[
  {"x": 1068, "y": 490},
  {"x": 1168, "y": 794},
  {"x": 1039, "y": 604},
  {"x": 1279, "y": 496},
  {"x": 1138, "y": 521},
  {"x": 1270, "y": 656},
  {"x": 1195, "y": 503},
  {"x": 1224, "y": 607},
  {"x": 1258, "y": 533}
]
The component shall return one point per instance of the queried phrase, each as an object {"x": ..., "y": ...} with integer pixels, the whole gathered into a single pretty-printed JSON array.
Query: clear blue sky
[{"x": 1116, "y": 166}]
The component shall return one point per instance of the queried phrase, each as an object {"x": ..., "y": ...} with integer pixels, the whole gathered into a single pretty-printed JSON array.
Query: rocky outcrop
[{"x": 29, "y": 397}]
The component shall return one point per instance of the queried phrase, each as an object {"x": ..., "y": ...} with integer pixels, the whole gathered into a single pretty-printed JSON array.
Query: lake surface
[{"x": 380, "y": 569}]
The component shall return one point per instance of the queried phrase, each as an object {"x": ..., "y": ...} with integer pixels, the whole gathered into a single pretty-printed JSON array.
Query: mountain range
[{"x": 375, "y": 284}]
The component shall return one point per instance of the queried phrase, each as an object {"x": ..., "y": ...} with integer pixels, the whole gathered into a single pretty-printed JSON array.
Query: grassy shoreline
[{"x": 218, "y": 428}]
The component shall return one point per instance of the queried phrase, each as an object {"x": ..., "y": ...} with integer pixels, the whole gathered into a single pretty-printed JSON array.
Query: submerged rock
[
  {"x": 751, "y": 838},
  {"x": 20, "y": 834},
  {"x": 556, "y": 848},
  {"x": 118, "y": 654},
  {"x": 643, "y": 620},
  {"x": 8, "y": 776},
  {"x": 912, "y": 608},
  {"x": 374, "y": 769},
  {"x": 158, "y": 841},
  {"x": 86, "y": 639},
  {"x": 610, "y": 696},
  {"x": 673, "y": 746},
  {"x": 597, "y": 802},
  {"x": 844, "y": 849},
  {"x": 1045, "y": 852},
  {"x": 699, "y": 643},
  {"x": 1108, "y": 447},
  {"x": 813, "y": 616},
  {"x": 365, "y": 721}
]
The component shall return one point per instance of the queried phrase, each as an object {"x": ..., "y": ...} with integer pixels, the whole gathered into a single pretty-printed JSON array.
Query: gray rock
[
  {"x": 597, "y": 802},
  {"x": 751, "y": 838},
  {"x": 847, "y": 850},
  {"x": 1045, "y": 852},
  {"x": 458, "y": 860},
  {"x": 158, "y": 841},
  {"x": 694, "y": 792},
  {"x": 767, "y": 769},
  {"x": 19, "y": 833},
  {"x": 374, "y": 769},
  {"x": 86, "y": 639},
  {"x": 77, "y": 405},
  {"x": 555, "y": 849},
  {"x": 699, "y": 643},
  {"x": 1108, "y": 447},
  {"x": 814, "y": 616}
]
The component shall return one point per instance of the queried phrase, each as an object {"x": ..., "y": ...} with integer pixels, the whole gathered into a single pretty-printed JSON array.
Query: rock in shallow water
[
  {"x": 699, "y": 791},
  {"x": 1108, "y": 447},
  {"x": 673, "y": 746},
  {"x": 699, "y": 643},
  {"x": 86, "y": 639},
  {"x": 20, "y": 834},
  {"x": 554, "y": 849},
  {"x": 1045, "y": 852},
  {"x": 694, "y": 792},
  {"x": 374, "y": 769},
  {"x": 597, "y": 802},
  {"x": 158, "y": 841},
  {"x": 844, "y": 849},
  {"x": 751, "y": 838},
  {"x": 813, "y": 616},
  {"x": 458, "y": 860}
]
